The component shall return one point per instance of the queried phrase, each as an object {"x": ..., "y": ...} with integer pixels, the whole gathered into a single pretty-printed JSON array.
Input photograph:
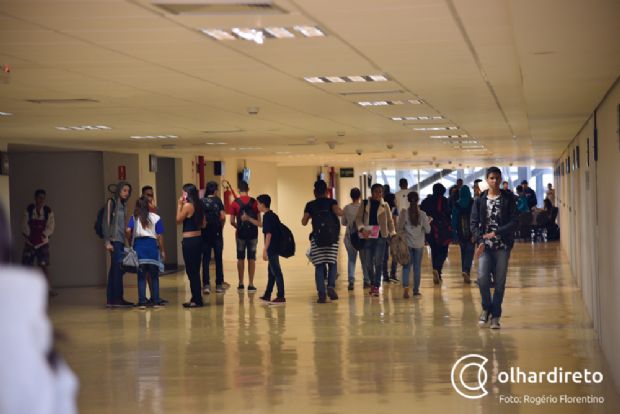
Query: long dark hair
[
  {"x": 142, "y": 211},
  {"x": 194, "y": 199},
  {"x": 414, "y": 210}
]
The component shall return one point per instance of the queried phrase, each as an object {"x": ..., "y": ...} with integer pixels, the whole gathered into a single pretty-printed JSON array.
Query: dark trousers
[
  {"x": 392, "y": 271},
  {"x": 274, "y": 276},
  {"x": 115, "y": 275},
  {"x": 320, "y": 271},
  {"x": 153, "y": 271},
  {"x": 374, "y": 251},
  {"x": 439, "y": 254},
  {"x": 217, "y": 246},
  {"x": 192, "y": 250},
  {"x": 467, "y": 256}
]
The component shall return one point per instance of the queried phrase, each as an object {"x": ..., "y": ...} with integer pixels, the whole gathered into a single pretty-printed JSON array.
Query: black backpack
[
  {"x": 212, "y": 214},
  {"x": 245, "y": 229},
  {"x": 101, "y": 216},
  {"x": 325, "y": 228},
  {"x": 286, "y": 247}
]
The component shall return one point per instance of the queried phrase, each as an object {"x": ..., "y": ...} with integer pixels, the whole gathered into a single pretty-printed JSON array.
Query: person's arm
[
  {"x": 184, "y": 210},
  {"x": 390, "y": 223},
  {"x": 474, "y": 221},
  {"x": 223, "y": 217},
  {"x": 359, "y": 220},
  {"x": 513, "y": 220},
  {"x": 129, "y": 230},
  {"x": 343, "y": 219},
  {"x": 305, "y": 219},
  {"x": 425, "y": 222},
  {"x": 266, "y": 246},
  {"x": 107, "y": 222},
  {"x": 25, "y": 225},
  {"x": 50, "y": 226},
  {"x": 159, "y": 230},
  {"x": 337, "y": 210},
  {"x": 233, "y": 217}
]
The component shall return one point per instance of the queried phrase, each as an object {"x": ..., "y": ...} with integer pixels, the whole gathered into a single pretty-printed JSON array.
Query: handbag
[
  {"x": 356, "y": 241},
  {"x": 130, "y": 262}
]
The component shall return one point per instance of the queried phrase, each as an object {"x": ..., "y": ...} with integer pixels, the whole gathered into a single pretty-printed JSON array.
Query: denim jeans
[
  {"x": 352, "y": 258},
  {"x": 362, "y": 253},
  {"x": 115, "y": 275},
  {"x": 493, "y": 262},
  {"x": 216, "y": 245},
  {"x": 467, "y": 256},
  {"x": 274, "y": 276},
  {"x": 319, "y": 277},
  {"x": 192, "y": 249},
  {"x": 374, "y": 252},
  {"x": 415, "y": 262},
  {"x": 386, "y": 257},
  {"x": 152, "y": 270},
  {"x": 439, "y": 254}
]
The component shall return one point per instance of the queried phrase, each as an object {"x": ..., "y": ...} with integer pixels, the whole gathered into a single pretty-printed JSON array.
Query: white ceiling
[{"x": 519, "y": 76}]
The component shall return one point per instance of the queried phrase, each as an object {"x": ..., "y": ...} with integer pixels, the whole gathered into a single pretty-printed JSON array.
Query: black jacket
[{"x": 508, "y": 221}]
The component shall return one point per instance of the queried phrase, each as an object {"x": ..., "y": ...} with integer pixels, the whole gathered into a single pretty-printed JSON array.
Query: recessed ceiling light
[
  {"x": 279, "y": 32},
  {"x": 309, "y": 31},
  {"x": 153, "y": 137},
  {"x": 5, "y": 114},
  {"x": 84, "y": 128},
  {"x": 435, "y": 128}
]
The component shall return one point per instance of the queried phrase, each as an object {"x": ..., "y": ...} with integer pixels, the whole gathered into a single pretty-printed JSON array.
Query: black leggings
[
  {"x": 439, "y": 254},
  {"x": 192, "y": 252}
]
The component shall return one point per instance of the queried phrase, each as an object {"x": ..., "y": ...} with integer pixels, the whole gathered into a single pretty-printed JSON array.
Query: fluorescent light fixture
[
  {"x": 415, "y": 101},
  {"x": 435, "y": 128},
  {"x": 253, "y": 35},
  {"x": 309, "y": 31},
  {"x": 5, "y": 114},
  {"x": 153, "y": 137},
  {"x": 449, "y": 136},
  {"x": 379, "y": 78},
  {"x": 335, "y": 79},
  {"x": 356, "y": 78},
  {"x": 215, "y": 143},
  {"x": 350, "y": 78},
  {"x": 279, "y": 32},
  {"x": 218, "y": 34},
  {"x": 314, "y": 79},
  {"x": 249, "y": 148},
  {"x": 379, "y": 103},
  {"x": 84, "y": 128},
  {"x": 416, "y": 118}
]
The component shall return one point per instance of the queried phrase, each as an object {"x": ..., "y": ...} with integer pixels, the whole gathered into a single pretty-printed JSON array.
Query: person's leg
[
  {"x": 142, "y": 271},
  {"x": 241, "y": 244},
  {"x": 192, "y": 251},
  {"x": 393, "y": 269},
  {"x": 117, "y": 280},
  {"x": 485, "y": 266},
  {"x": 364, "y": 264},
  {"x": 434, "y": 256},
  {"x": 443, "y": 255},
  {"x": 274, "y": 263},
  {"x": 251, "y": 247},
  {"x": 469, "y": 259},
  {"x": 368, "y": 262},
  {"x": 207, "y": 247},
  {"x": 331, "y": 275},
  {"x": 271, "y": 280},
  {"x": 501, "y": 268},
  {"x": 417, "y": 255},
  {"x": 110, "y": 286},
  {"x": 379, "y": 255},
  {"x": 384, "y": 266},
  {"x": 219, "y": 266},
  {"x": 351, "y": 259},
  {"x": 149, "y": 283},
  {"x": 319, "y": 279},
  {"x": 154, "y": 276},
  {"x": 406, "y": 269}
]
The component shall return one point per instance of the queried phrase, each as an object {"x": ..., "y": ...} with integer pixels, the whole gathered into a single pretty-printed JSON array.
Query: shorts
[
  {"x": 249, "y": 245},
  {"x": 41, "y": 254}
]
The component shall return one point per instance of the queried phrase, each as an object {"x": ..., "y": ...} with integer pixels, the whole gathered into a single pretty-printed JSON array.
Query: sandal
[{"x": 192, "y": 305}]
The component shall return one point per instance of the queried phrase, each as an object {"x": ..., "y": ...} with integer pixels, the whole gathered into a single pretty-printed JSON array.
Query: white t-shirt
[{"x": 401, "y": 199}]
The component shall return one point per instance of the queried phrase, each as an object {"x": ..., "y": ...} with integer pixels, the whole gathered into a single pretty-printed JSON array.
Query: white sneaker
[
  {"x": 206, "y": 290},
  {"x": 484, "y": 318},
  {"x": 495, "y": 323}
]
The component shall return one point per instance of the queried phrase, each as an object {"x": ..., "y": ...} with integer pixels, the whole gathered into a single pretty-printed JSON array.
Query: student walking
[
  {"x": 461, "y": 213},
  {"x": 414, "y": 224},
  {"x": 348, "y": 220},
  {"x": 144, "y": 233},
  {"x": 375, "y": 225},
  {"x": 494, "y": 219},
  {"x": 37, "y": 227},
  {"x": 190, "y": 214},
  {"x": 324, "y": 238},
  {"x": 389, "y": 270},
  {"x": 113, "y": 229},
  {"x": 436, "y": 206},
  {"x": 212, "y": 238},
  {"x": 271, "y": 231},
  {"x": 246, "y": 234},
  {"x": 149, "y": 194}
]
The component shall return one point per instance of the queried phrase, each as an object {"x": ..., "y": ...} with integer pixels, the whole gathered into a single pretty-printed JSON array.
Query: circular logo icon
[{"x": 467, "y": 364}]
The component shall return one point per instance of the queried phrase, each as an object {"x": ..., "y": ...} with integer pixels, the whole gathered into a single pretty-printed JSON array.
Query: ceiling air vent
[
  {"x": 62, "y": 101},
  {"x": 221, "y": 7}
]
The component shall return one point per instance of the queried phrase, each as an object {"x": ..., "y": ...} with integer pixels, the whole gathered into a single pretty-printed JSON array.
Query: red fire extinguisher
[{"x": 229, "y": 196}]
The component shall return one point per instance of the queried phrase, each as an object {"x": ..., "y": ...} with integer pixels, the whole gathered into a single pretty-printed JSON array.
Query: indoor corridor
[{"x": 356, "y": 355}]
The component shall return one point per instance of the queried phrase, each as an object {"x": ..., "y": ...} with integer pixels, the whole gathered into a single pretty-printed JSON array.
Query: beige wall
[{"x": 588, "y": 199}]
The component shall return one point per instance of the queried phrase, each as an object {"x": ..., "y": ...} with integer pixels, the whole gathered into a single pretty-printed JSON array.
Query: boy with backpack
[
  {"x": 271, "y": 251},
  {"x": 37, "y": 227},
  {"x": 246, "y": 234},
  {"x": 212, "y": 238}
]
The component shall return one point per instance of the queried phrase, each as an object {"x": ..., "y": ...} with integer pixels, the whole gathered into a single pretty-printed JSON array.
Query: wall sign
[
  {"x": 346, "y": 173},
  {"x": 122, "y": 173}
]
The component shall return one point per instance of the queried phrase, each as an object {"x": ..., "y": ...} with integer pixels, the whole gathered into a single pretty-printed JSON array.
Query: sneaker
[
  {"x": 466, "y": 278},
  {"x": 125, "y": 304},
  {"x": 374, "y": 291},
  {"x": 366, "y": 285},
  {"x": 251, "y": 289},
  {"x": 350, "y": 287},
  {"x": 163, "y": 301},
  {"x": 265, "y": 298},
  {"x": 495, "y": 323},
  {"x": 394, "y": 280},
  {"x": 225, "y": 285},
  {"x": 159, "y": 304},
  {"x": 435, "y": 277},
  {"x": 417, "y": 294},
  {"x": 142, "y": 305},
  {"x": 406, "y": 293},
  {"x": 331, "y": 292},
  {"x": 240, "y": 288},
  {"x": 192, "y": 305},
  {"x": 484, "y": 318},
  {"x": 219, "y": 289},
  {"x": 322, "y": 299},
  {"x": 206, "y": 289},
  {"x": 278, "y": 301}
]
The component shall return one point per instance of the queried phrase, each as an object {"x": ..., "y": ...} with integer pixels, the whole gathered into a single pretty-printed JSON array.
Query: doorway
[{"x": 165, "y": 182}]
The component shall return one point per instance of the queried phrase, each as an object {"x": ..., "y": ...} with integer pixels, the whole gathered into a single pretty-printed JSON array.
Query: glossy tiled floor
[{"x": 356, "y": 355}]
